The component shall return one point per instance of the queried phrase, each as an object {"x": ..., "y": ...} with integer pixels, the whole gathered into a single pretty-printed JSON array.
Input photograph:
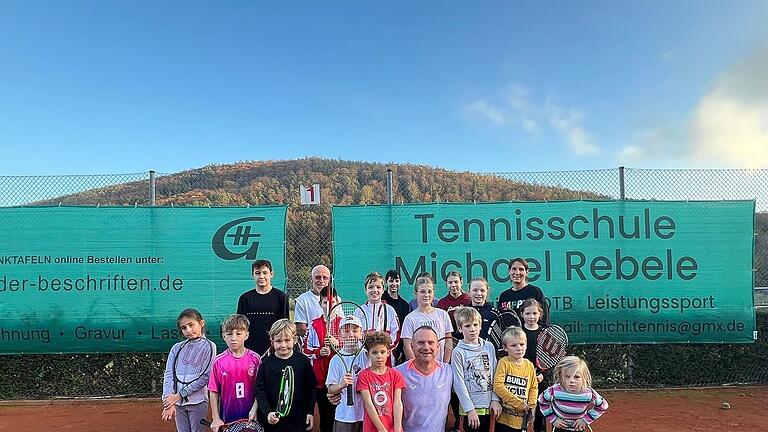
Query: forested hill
[{"x": 341, "y": 182}]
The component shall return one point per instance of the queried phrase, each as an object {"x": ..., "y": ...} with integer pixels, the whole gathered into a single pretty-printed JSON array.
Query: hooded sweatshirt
[{"x": 473, "y": 368}]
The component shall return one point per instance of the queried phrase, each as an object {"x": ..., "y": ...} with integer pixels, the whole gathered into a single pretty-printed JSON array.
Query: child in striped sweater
[{"x": 571, "y": 404}]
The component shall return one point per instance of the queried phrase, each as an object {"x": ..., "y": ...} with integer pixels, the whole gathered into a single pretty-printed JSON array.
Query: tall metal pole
[
  {"x": 622, "y": 195},
  {"x": 389, "y": 186},
  {"x": 152, "y": 188}
]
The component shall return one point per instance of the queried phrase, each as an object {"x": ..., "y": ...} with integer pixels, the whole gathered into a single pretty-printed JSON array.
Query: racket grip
[{"x": 350, "y": 396}]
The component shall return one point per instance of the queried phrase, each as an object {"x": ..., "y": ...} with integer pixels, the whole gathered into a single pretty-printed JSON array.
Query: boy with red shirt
[
  {"x": 456, "y": 297},
  {"x": 381, "y": 387}
]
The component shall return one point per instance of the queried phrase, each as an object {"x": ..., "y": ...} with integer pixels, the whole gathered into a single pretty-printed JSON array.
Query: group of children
[{"x": 509, "y": 390}]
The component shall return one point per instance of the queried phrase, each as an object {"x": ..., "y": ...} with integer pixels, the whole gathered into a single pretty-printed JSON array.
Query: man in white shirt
[{"x": 308, "y": 304}]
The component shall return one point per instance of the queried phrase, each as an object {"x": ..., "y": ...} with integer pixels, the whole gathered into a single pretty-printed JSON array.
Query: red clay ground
[{"x": 663, "y": 410}]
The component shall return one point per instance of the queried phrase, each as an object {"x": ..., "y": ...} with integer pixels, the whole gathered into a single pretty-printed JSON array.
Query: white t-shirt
[
  {"x": 307, "y": 308},
  {"x": 438, "y": 319},
  {"x": 336, "y": 371},
  {"x": 375, "y": 317}
]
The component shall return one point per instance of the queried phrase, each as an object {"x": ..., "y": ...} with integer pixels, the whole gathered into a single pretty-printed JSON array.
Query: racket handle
[
  {"x": 492, "y": 423},
  {"x": 350, "y": 396}
]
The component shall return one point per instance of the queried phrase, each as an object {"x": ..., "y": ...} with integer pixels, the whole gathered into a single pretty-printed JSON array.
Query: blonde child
[
  {"x": 427, "y": 315},
  {"x": 515, "y": 383},
  {"x": 531, "y": 312},
  {"x": 571, "y": 404},
  {"x": 339, "y": 381},
  {"x": 189, "y": 403},
  {"x": 301, "y": 414},
  {"x": 381, "y": 388},
  {"x": 233, "y": 375},
  {"x": 474, "y": 361}
]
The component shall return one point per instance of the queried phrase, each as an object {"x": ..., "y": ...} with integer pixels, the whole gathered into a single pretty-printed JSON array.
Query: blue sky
[{"x": 127, "y": 86}]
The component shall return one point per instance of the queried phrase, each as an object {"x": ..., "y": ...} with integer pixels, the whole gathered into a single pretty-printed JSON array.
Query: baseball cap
[{"x": 350, "y": 319}]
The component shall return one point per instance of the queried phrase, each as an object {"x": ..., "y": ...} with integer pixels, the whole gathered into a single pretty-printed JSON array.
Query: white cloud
[
  {"x": 568, "y": 125},
  {"x": 731, "y": 130},
  {"x": 728, "y": 128},
  {"x": 489, "y": 113},
  {"x": 631, "y": 152},
  {"x": 515, "y": 109},
  {"x": 658, "y": 146}
]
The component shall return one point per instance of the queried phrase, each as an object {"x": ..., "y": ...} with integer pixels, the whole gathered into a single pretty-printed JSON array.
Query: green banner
[
  {"x": 111, "y": 279},
  {"x": 613, "y": 271}
]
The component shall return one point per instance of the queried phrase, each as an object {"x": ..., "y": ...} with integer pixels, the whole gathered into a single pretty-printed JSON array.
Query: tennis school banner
[
  {"x": 110, "y": 279},
  {"x": 613, "y": 271}
]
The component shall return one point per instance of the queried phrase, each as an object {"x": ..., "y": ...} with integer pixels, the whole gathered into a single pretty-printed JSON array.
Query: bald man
[
  {"x": 428, "y": 384},
  {"x": 308, "y": 304}
]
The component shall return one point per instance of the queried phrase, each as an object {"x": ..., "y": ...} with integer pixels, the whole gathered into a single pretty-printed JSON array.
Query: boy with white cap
[{"x": 339, "y": 381}]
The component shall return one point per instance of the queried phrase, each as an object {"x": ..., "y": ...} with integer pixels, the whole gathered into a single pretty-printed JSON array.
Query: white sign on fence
[{"x": 310, "y": 194}]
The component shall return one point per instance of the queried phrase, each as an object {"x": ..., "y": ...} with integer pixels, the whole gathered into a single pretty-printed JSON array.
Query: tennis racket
[
  {"x": 347, "y": 345},
  {"x": 492, "y": 423},
  {"x": 502, "y": 322},
  {"x": 328, "y": 310},
  {"x": 554, "y": 429},
  {"x": 385, "y": 327},
  {"x": 285, "y": 395},
  {"x": 570, "y": 422},
  {"x": 444, "y": 342},
  {"x": 237, "y": 426},
  {"x": 550, "y": 346},
  {"x": 525, "y": 421},
  {"x": 192, "y": 361}
]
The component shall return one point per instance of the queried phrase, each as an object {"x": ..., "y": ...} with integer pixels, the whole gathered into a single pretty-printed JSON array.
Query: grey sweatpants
[{"x": 188, "y": 417}]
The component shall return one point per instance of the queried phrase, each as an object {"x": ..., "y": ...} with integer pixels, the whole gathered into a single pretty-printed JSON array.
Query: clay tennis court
[{"x": 674, "y": 410}]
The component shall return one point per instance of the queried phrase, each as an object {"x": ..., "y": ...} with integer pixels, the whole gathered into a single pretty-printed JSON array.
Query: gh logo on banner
[{"x": 242, "y": 236}]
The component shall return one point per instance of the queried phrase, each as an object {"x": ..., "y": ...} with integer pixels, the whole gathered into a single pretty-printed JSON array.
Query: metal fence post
[
  {"x": 152, "y": 188},
  {"x": 622, "y": 195},
  {"x": 389, "y": 186}
]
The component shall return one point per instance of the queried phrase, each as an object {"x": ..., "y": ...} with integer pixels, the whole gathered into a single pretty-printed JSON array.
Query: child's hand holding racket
[
  {"x": 348, "y": 379},
  {"x": 216, "y": 424},
  {"x": 273, "y": 418},
  {"x": 495, "y": 409},
  {"x": 310, "y": 422}
]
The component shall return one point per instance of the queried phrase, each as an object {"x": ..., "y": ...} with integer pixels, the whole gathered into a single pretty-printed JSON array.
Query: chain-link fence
[
  {"x": 674, "y": 185},
  {"x": 309, "y": 243}
]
